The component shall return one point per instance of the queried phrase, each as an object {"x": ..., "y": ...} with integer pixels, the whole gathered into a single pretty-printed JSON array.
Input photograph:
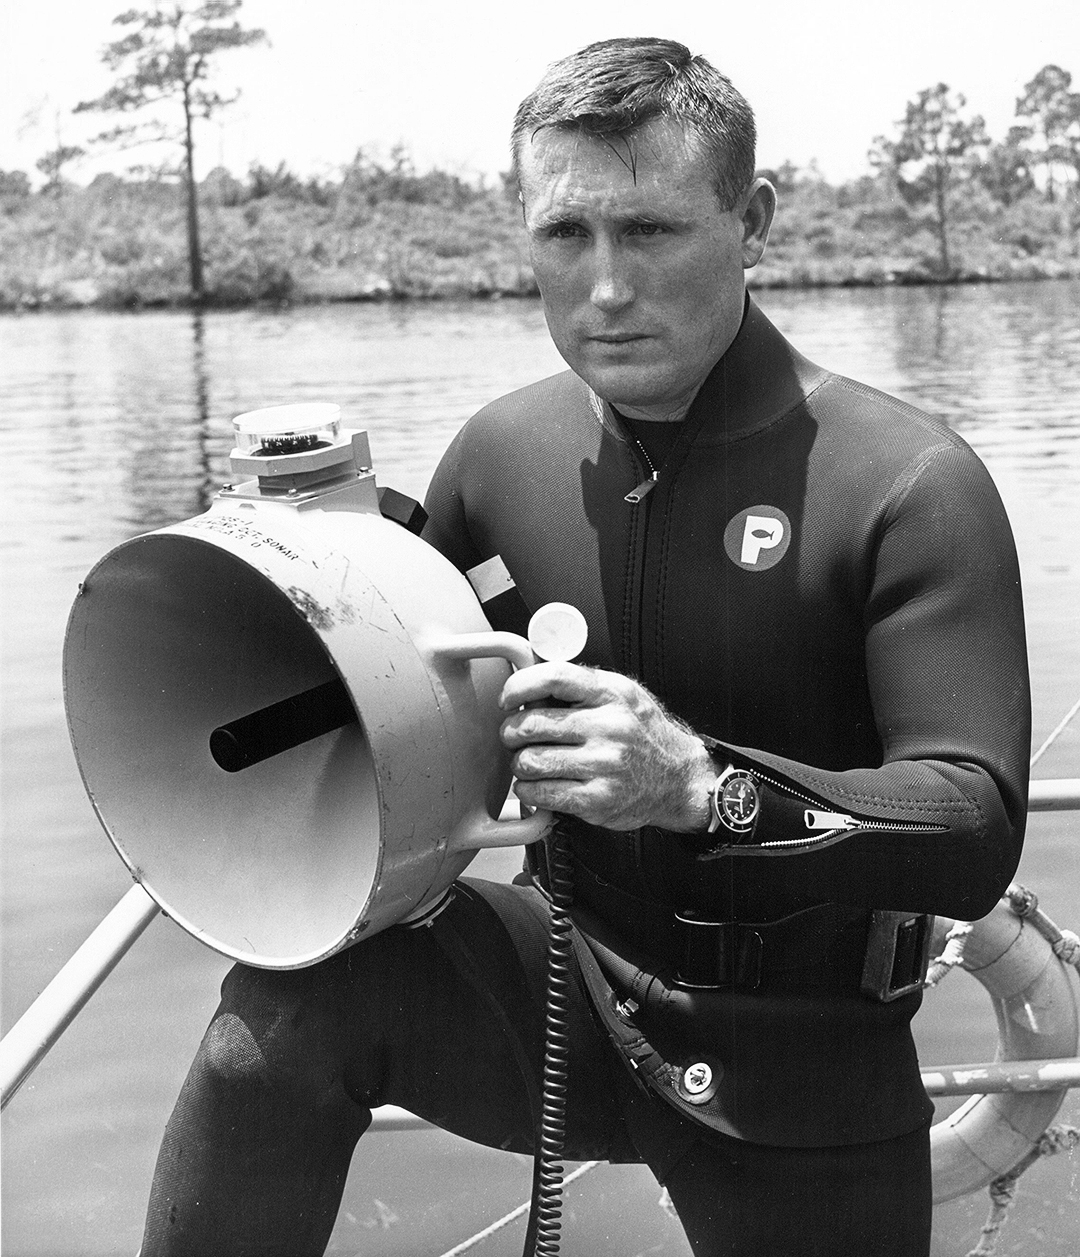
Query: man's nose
[{"x": 612, "y": 288}]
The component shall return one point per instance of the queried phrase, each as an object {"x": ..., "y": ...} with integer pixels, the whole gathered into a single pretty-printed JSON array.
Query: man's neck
[{"x": 669, "y": 412}]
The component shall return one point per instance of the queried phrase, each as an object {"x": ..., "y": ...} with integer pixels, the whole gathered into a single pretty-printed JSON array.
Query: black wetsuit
[
  {"x": 860, "y": 628},
  {"x": 824, "y": 578}
]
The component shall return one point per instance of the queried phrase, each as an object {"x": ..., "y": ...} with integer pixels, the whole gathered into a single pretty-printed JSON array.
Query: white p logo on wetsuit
[
  {"x": 761, "y": 532},
  {"x": 757, "y": 538}
]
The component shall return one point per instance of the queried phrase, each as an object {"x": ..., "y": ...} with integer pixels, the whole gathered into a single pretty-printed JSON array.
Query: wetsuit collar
[{"x": 759, "y": 379}]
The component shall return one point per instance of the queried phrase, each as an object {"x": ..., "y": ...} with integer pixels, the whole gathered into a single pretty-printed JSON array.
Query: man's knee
[
  {"x": 231, "y": 1055},
  {"x": 277, "y": 1027}
]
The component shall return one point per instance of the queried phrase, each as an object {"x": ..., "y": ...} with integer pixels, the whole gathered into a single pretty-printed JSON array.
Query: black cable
[{"x": 545, "y": 1212}]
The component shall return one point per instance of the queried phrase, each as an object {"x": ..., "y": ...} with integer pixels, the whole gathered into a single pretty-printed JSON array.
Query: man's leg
[
  {"x": 256, "y": 1152},
  {"x": 445, "y": 1020},
  {"x": 737, "y": 1199}
]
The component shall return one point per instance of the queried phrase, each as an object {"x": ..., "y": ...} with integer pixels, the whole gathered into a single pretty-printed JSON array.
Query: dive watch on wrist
[{"x": 734, "y": 802}]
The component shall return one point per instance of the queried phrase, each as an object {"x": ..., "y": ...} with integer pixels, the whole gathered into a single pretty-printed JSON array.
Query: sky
[{"x": 444, "y": 76}]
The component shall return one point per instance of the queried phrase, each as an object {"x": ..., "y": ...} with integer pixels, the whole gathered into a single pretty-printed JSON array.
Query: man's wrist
[
  {"x": 734, "y": 804},
  {"x": 703, "y": 774}
]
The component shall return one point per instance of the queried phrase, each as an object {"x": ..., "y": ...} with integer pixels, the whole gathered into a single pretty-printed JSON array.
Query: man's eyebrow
[
  {"x": 556, "y": 218},
  {"x": 648, "y": 216}
]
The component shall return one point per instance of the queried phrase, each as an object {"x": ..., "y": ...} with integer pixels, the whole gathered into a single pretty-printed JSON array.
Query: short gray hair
[{"x": 618, "y": 85}]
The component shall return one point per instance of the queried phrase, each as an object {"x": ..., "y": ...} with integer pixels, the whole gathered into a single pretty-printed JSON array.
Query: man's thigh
[
  {"x": 746, "y": 1200},
  {"x": 473, "y": 1059},
  {"x": 446, "y": 1020}
]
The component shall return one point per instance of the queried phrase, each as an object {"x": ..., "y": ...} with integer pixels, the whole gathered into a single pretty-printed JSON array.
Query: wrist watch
[{"x": 734, "y": 801}]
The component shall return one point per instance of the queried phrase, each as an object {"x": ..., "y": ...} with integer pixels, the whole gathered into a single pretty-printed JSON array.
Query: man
[{"x": 800, "y": 722}]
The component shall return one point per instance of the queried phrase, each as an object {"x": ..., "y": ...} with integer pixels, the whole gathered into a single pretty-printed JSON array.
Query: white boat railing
[
  {"x": 28, "y": 1041},
  {"x": 1061, "y": 795}
]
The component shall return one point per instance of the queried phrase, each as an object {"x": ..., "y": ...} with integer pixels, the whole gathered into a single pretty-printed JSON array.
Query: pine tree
[
  {"x": 936, "y": 148},
  {"x": 1052, "y": 113},
  {"x": 167, "y": 57}
]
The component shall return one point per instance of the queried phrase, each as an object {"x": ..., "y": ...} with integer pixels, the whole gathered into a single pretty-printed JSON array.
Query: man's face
[{"x": 639, "y": 267}]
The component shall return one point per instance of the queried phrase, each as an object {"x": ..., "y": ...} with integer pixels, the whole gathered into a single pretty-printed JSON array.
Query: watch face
[{"x": 738, "y": 801}]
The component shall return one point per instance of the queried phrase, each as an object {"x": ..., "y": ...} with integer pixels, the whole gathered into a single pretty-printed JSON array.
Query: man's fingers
[
  {"x": 556, "y": 762},
  {"x": 541, "y": 725},
  {"x": 598, "y": 736},
  {"x": 564, "y": 682},
  {"x": 575, "y": 798},
  {"x": 595, "y": 802}
]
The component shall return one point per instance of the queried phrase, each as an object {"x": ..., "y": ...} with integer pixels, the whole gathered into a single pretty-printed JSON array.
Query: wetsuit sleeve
[
  {"x": 447, "y": 528},
  {"x": 947, "y": 667}
]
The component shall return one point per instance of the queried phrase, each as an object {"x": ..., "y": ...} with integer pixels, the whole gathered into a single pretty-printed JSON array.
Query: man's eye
[
  {"x": 646, "y": 229},
  {"x": 563, "y": 231}
]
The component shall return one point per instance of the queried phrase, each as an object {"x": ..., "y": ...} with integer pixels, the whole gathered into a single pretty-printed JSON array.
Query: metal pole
[
  {"x": 1061, "y": 795},
  {"x": 24, "y": 1046},
  {"x": 998, "y": 1076}
]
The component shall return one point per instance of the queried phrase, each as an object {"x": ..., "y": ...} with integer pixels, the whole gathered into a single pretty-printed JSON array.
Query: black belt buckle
[
  {"x": 713, "y": 954},
  {"x": 897, "y": 954}
]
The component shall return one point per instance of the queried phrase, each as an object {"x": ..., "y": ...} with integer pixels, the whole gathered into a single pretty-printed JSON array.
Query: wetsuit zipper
[
  {"x": 646, "y": 487},
  {"x": 636, "y": 497},
  {"x": 639, "y": 498},
  {"x": 836, "y": 823},
  {"x": 642, "y": 529}
]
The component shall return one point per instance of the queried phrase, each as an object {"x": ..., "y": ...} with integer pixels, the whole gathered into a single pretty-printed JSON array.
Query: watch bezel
[{"x": 722, "y": 816}]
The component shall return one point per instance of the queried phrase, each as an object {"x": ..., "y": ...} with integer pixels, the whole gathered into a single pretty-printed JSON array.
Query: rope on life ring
[{"x": 1021, "y": 958}]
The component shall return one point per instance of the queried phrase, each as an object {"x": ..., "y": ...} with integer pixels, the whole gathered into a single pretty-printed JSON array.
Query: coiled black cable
[{"x": 545, "y": 1213}]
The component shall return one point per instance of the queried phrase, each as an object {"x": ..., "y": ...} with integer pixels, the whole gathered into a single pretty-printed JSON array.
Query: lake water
[{"x": 113, "y": 424}]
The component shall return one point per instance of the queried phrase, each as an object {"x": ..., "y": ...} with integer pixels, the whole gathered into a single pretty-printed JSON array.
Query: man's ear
[{"x": 759, "y": 205}]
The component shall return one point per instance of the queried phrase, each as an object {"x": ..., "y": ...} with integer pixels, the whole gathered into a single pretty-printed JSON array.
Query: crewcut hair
[{"x": 613, "y": 87}]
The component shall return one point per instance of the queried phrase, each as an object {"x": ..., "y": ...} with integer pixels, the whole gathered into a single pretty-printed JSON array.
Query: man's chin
[{"x": 624, "y": 386}]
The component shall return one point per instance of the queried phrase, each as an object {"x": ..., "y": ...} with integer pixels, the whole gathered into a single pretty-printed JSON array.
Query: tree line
[
  {"x": 941, "y": 201},
  {"x": 940, "y": 147}
]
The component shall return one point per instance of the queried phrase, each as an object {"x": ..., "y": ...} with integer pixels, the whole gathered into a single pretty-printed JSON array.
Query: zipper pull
[
  {"x": 829, "y": 820},
  {"x": 643, "y": 490}
]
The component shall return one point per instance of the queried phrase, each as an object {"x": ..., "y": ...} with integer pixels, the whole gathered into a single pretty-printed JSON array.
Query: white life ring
[{"x": 1037, "y": 1018}]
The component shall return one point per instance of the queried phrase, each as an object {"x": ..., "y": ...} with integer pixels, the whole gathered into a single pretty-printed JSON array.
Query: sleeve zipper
[{"x": 834, "y": 824}]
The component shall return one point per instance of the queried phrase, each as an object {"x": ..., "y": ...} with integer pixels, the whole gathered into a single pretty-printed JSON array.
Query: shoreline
[
  {"x": 464, "y": 292},
  {"x": 396, "y": 235}
]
